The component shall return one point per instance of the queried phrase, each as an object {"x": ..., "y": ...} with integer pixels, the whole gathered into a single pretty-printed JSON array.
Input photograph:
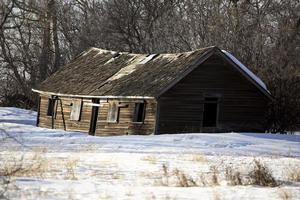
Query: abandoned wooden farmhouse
[{"x": 111, "y": 93}]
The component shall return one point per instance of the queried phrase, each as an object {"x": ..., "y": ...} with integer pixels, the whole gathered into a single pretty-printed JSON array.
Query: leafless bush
[
  {"x": 17, "y": 166},
  {"x": 214, "y": 177},
  {"x": 20, "y": 165},
  {"x": 233, "y": 177},
  {"x": 180, "y": 178},
  {"x": 183, "y": 180},
  {"x": 261, "y": 175}
]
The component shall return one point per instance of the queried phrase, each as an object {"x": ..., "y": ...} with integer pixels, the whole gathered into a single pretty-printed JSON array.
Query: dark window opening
[
  {"x": 139, "y": 112},
  {"x": 51, "y": 105},
  {"x": 210, "y": 112}
]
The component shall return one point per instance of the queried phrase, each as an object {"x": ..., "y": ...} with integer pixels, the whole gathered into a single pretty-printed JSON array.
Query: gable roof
[{"x": 102, "y": 73}]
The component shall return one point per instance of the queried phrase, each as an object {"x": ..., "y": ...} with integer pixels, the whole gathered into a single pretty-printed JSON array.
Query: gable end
[{"x": 207, "y": 55}]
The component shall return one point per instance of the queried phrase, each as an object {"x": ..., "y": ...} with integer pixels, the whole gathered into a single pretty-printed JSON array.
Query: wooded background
[{"x": 39, "y": 36}]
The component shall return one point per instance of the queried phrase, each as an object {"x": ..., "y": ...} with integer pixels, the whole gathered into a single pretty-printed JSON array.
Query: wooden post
[
  {"x": 38, "y": 111},
  {"x": 62, "y": 114},
  {"x": 52, "y": 116},
  {"x": 157, "y": 112},
  {"x": 94, "y": 117}
]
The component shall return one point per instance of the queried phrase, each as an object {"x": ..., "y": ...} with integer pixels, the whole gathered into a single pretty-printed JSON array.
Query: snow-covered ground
[{"x": 72, "y": 165}]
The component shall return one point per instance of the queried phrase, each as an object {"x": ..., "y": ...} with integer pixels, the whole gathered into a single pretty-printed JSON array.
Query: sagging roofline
[{"x": 91, "y": 96}]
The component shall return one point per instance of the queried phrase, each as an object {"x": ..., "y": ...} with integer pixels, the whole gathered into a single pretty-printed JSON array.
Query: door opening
[{"x": 210, "y": 113}]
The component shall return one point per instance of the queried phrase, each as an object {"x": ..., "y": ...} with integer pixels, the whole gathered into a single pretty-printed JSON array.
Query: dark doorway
[
  {"x": 139, "y": 112},
  {"x": 93, "y": 124},
  {"x": 210, "y": 113}
]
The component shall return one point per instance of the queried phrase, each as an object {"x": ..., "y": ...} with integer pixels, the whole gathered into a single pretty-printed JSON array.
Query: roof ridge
[{"x": 124, "y": 52}]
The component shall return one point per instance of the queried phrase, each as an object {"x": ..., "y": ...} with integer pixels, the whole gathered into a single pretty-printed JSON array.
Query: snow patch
[
  {"x": 245, "y": 69},
  {"x": 128, "y": 69},
  {"x": 131, "y": 166},
  {"x": 147, "y": 59}
]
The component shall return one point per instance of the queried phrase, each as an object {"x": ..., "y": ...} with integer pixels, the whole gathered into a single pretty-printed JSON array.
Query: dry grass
[
  {"x": 26, "y": 165},
  {"x": 284, "y": 194},
  {"x": 165, "y": 175},
  {"x": 176, "y": 177},
  {"x": 129, "y": 193},
  {"x": 151, "y": 159},
  {"x": 199, "y": 158},
  {"x": 183, "y": 180},
  {"x": 216, "y": 195},
  {"x": 180, "y": 178},
  {"x": 15, "y": 165},
  {"x": 261, "y": 175},
  {"x": 70, "y": 167},
  {"x": 293, "y": 174},
  {"x": 214, "y": 176}
]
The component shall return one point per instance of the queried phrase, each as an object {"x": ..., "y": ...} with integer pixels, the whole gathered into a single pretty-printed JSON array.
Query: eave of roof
[{"x": 89, "y": 96}]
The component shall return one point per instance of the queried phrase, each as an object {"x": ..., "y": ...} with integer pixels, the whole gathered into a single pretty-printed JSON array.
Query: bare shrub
[
  {"x": 214, "y": 177},
  {"x": 165, "y": 175},
  {"x": 233, "y": 177},
  {"x": 203, "y": 180},
  {"x": 17, "y": 166},
  {"x": 180, "y": 178},
  {"x": 183, "y": 180},
  {"x": 261, "y": 175}
]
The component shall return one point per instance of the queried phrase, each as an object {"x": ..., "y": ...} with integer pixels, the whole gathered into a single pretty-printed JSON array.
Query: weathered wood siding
[
  {"x": 123, "y": 126},
  {"x": 63, "y": 111},
  {"x": 242, "y": 106}
]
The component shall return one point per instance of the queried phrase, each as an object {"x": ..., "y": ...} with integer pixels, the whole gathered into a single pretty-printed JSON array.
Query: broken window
[
  {"x": 113, "y": 112},
  {"x": 76, "y": 110},
  {"x": 51, "y": 107},
  {"x": 139, "y": 112},
  {"x": 210, "y": 113}
]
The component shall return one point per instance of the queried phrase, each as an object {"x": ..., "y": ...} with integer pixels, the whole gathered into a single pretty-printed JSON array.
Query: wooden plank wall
[
  {"x": 122, "y": 127},
  {"x": 125, "y": 125},
  {"x": 242, "y": 106},
  {"x": 82, "y": 125}
]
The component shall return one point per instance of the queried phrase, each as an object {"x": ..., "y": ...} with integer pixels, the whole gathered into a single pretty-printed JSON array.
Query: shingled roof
[{"x": 98, "y": 72}]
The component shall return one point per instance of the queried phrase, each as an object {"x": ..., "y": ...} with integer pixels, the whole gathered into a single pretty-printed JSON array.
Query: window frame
[
  {"x": 116, "y": 112},
  {"x": 76, "y": 107}
]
